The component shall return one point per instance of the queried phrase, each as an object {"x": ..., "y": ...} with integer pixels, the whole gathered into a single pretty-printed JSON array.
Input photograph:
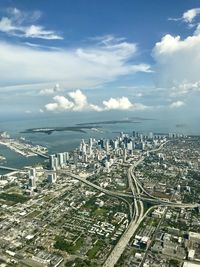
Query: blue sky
[{"x": 99, "y": 55}]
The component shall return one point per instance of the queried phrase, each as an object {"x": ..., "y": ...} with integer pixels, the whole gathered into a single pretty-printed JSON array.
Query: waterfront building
[{"x": 52, "y": 162}]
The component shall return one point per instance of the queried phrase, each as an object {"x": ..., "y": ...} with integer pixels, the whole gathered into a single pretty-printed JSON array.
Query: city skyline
[{"x": 99, "y": 133}]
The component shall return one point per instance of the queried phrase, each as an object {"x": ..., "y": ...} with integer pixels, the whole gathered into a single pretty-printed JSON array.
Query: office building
[
  {"x": 52, "y": 162},
  {"x": 32, "y": 182},
  {"x": 52, "y": 177}
]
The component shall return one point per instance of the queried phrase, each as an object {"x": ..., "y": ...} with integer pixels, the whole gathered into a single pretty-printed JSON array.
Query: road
[
  {"x": 124, "y": 240},
  {"x": 134, "y": 224},
  {"x": 138, "y": 216},
  {"x": 129, "y": 195},
  {"x": 118, "y": 195}
]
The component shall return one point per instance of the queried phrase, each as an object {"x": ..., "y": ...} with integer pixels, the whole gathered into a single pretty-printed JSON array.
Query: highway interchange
[{"x": 136, "y": 208}]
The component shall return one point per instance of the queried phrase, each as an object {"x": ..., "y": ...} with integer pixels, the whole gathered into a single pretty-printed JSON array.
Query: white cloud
[
  {"x": 6, "y": 25},
  {"x": 82, "y": 68},
  {"x": 35, "y": 31},
  {"x": 122, "y": 103},
  {"x": 119, "y": 103},
  {"x": 96, "y": 108},
  {"x": 177, "y": 104},
  {"x": 23, "y": 16},
  {"x": 185, "y": 87},
  {"x": 178, "y": 63},
  {"x": 16, "y": 24},
  {"x": 190, "y": 15},
  {"x": 77, "y": 101},
  {"x": 50, "y": 91},
  {"x": 61, "y": 104}
]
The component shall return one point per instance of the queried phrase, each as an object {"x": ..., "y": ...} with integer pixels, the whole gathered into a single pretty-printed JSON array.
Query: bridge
[
  {"x": 6, "y": 168},
  {"x": 42, "y": 155}
]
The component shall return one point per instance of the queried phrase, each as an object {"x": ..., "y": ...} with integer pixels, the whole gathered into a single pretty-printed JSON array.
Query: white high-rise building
[
  {"x": 52, "y": 177},
  {"x": 115, "y": 144},
  {"x": 107, "y": 165},
  {"x": 32, "y": 172},
  {"x": 67, "y": 156},
  {"x": 130, "y": 145},
  {"x": 107, "y": 146},
  {"x": 56, "y": 165},
  {"x": 60, "y": 157},
  {"x": 90, "y": 150},
  {"x": 150, "y": 135},
  {"x": 52, "y": 162},
  {"x": 32, "y": 182},
  {"x": 83, "y": 146},
  {"x": 90, "y": 142},
  {"x": 142, "y": 144}
]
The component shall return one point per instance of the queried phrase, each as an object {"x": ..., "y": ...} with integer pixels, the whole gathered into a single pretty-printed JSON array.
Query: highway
[
  {"x": 134, "y": 223},
  {"x": 138, "y": 216},
  {"x": 118, "y": 195},
  {"x": 133, "y": 195},
  {"x": 124, "y": 240},
  {"x": 99, "y": 188}
]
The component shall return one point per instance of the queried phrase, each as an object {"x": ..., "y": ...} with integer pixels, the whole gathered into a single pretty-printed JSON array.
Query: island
[{"x": 50, "y": 130}]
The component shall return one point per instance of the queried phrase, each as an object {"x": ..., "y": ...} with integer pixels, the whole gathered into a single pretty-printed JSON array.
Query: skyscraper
[
  {"x": 52, "y": 177},
  {"x": 32, "y": 182},
  {"x": 60, "y": 157},
  {"x": 52, "y": 162}
]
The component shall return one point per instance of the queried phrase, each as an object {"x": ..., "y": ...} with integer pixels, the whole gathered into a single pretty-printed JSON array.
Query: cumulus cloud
[
  {"x": 16, "y": 23},
  {"x": 96, "y": 108},
  {"x": 73, "y": 68},
  {"x": 177, "y": 104},
  {"x": 178, "y": 63},
  {"x": 77, "y": 101},
  {"x": 122, "y": 103},
  {"x": 61, "y": 104},
  {"x": 119, "y": 103}
]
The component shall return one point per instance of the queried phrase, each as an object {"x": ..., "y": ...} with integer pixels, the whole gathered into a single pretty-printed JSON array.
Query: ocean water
[{"x": 67, "y": 141}]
